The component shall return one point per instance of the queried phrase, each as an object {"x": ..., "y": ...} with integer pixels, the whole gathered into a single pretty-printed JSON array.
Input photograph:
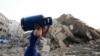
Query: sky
[{"x": 86, "y": 10}]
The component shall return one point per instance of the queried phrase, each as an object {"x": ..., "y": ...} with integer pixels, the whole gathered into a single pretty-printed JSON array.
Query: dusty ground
[{"x": 88, "y": 49}]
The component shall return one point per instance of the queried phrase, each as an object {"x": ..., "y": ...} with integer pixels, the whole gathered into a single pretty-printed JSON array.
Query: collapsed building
[
  {"x": 4, "y": 23},
  {"x": 69, "y": 30}
]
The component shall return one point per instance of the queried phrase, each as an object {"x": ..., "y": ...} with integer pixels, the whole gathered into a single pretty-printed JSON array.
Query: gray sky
[{"x": 86, "y": 10}]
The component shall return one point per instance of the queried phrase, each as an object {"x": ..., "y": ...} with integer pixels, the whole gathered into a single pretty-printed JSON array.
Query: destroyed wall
[{"x": 4, "y": 23}]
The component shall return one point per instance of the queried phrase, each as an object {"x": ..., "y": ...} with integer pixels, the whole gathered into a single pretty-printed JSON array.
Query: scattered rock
[{"x": 68, "y": 36}]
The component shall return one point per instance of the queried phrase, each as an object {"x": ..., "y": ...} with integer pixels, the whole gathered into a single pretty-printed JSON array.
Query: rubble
[{"x": 68, "y": 36}]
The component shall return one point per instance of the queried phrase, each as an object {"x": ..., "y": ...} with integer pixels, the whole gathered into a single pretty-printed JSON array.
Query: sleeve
[{"x": 31, "y": 50}]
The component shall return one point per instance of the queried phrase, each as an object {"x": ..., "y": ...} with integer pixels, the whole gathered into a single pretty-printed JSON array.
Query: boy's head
[{"x": 40, "y": 30}]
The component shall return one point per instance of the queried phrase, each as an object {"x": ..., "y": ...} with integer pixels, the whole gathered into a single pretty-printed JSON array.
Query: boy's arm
[
  {"x": 46, "y": 30},
  {"x": 33, "y": 39},
  {"x": 31, "y": 50}
]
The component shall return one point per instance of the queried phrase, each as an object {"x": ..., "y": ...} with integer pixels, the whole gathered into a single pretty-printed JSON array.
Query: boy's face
[{"x": 39, "y": 30}]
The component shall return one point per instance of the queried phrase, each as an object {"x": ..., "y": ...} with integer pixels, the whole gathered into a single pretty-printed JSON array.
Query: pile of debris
[
  {"x": 69, "y": 30},
  {"x": 67, "y": 36},
  {"x": 66, "y": 30}
]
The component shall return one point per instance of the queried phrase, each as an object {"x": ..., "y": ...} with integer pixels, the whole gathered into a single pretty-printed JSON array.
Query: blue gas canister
[{"x": 27, "y": 23}]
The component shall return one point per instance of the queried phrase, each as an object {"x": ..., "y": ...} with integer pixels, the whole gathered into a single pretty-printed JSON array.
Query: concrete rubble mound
[{"x": 68, "y": 36}]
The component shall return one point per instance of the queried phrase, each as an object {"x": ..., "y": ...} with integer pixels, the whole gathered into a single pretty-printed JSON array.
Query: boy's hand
[{"x": 45, "y": 30}]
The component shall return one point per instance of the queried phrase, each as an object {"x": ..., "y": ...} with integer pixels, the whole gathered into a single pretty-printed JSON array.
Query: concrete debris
[{"x": 68, "y": 36}]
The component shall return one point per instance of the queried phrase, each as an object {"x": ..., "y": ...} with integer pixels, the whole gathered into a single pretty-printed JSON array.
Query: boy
[{"x": 34, "y": 38}]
